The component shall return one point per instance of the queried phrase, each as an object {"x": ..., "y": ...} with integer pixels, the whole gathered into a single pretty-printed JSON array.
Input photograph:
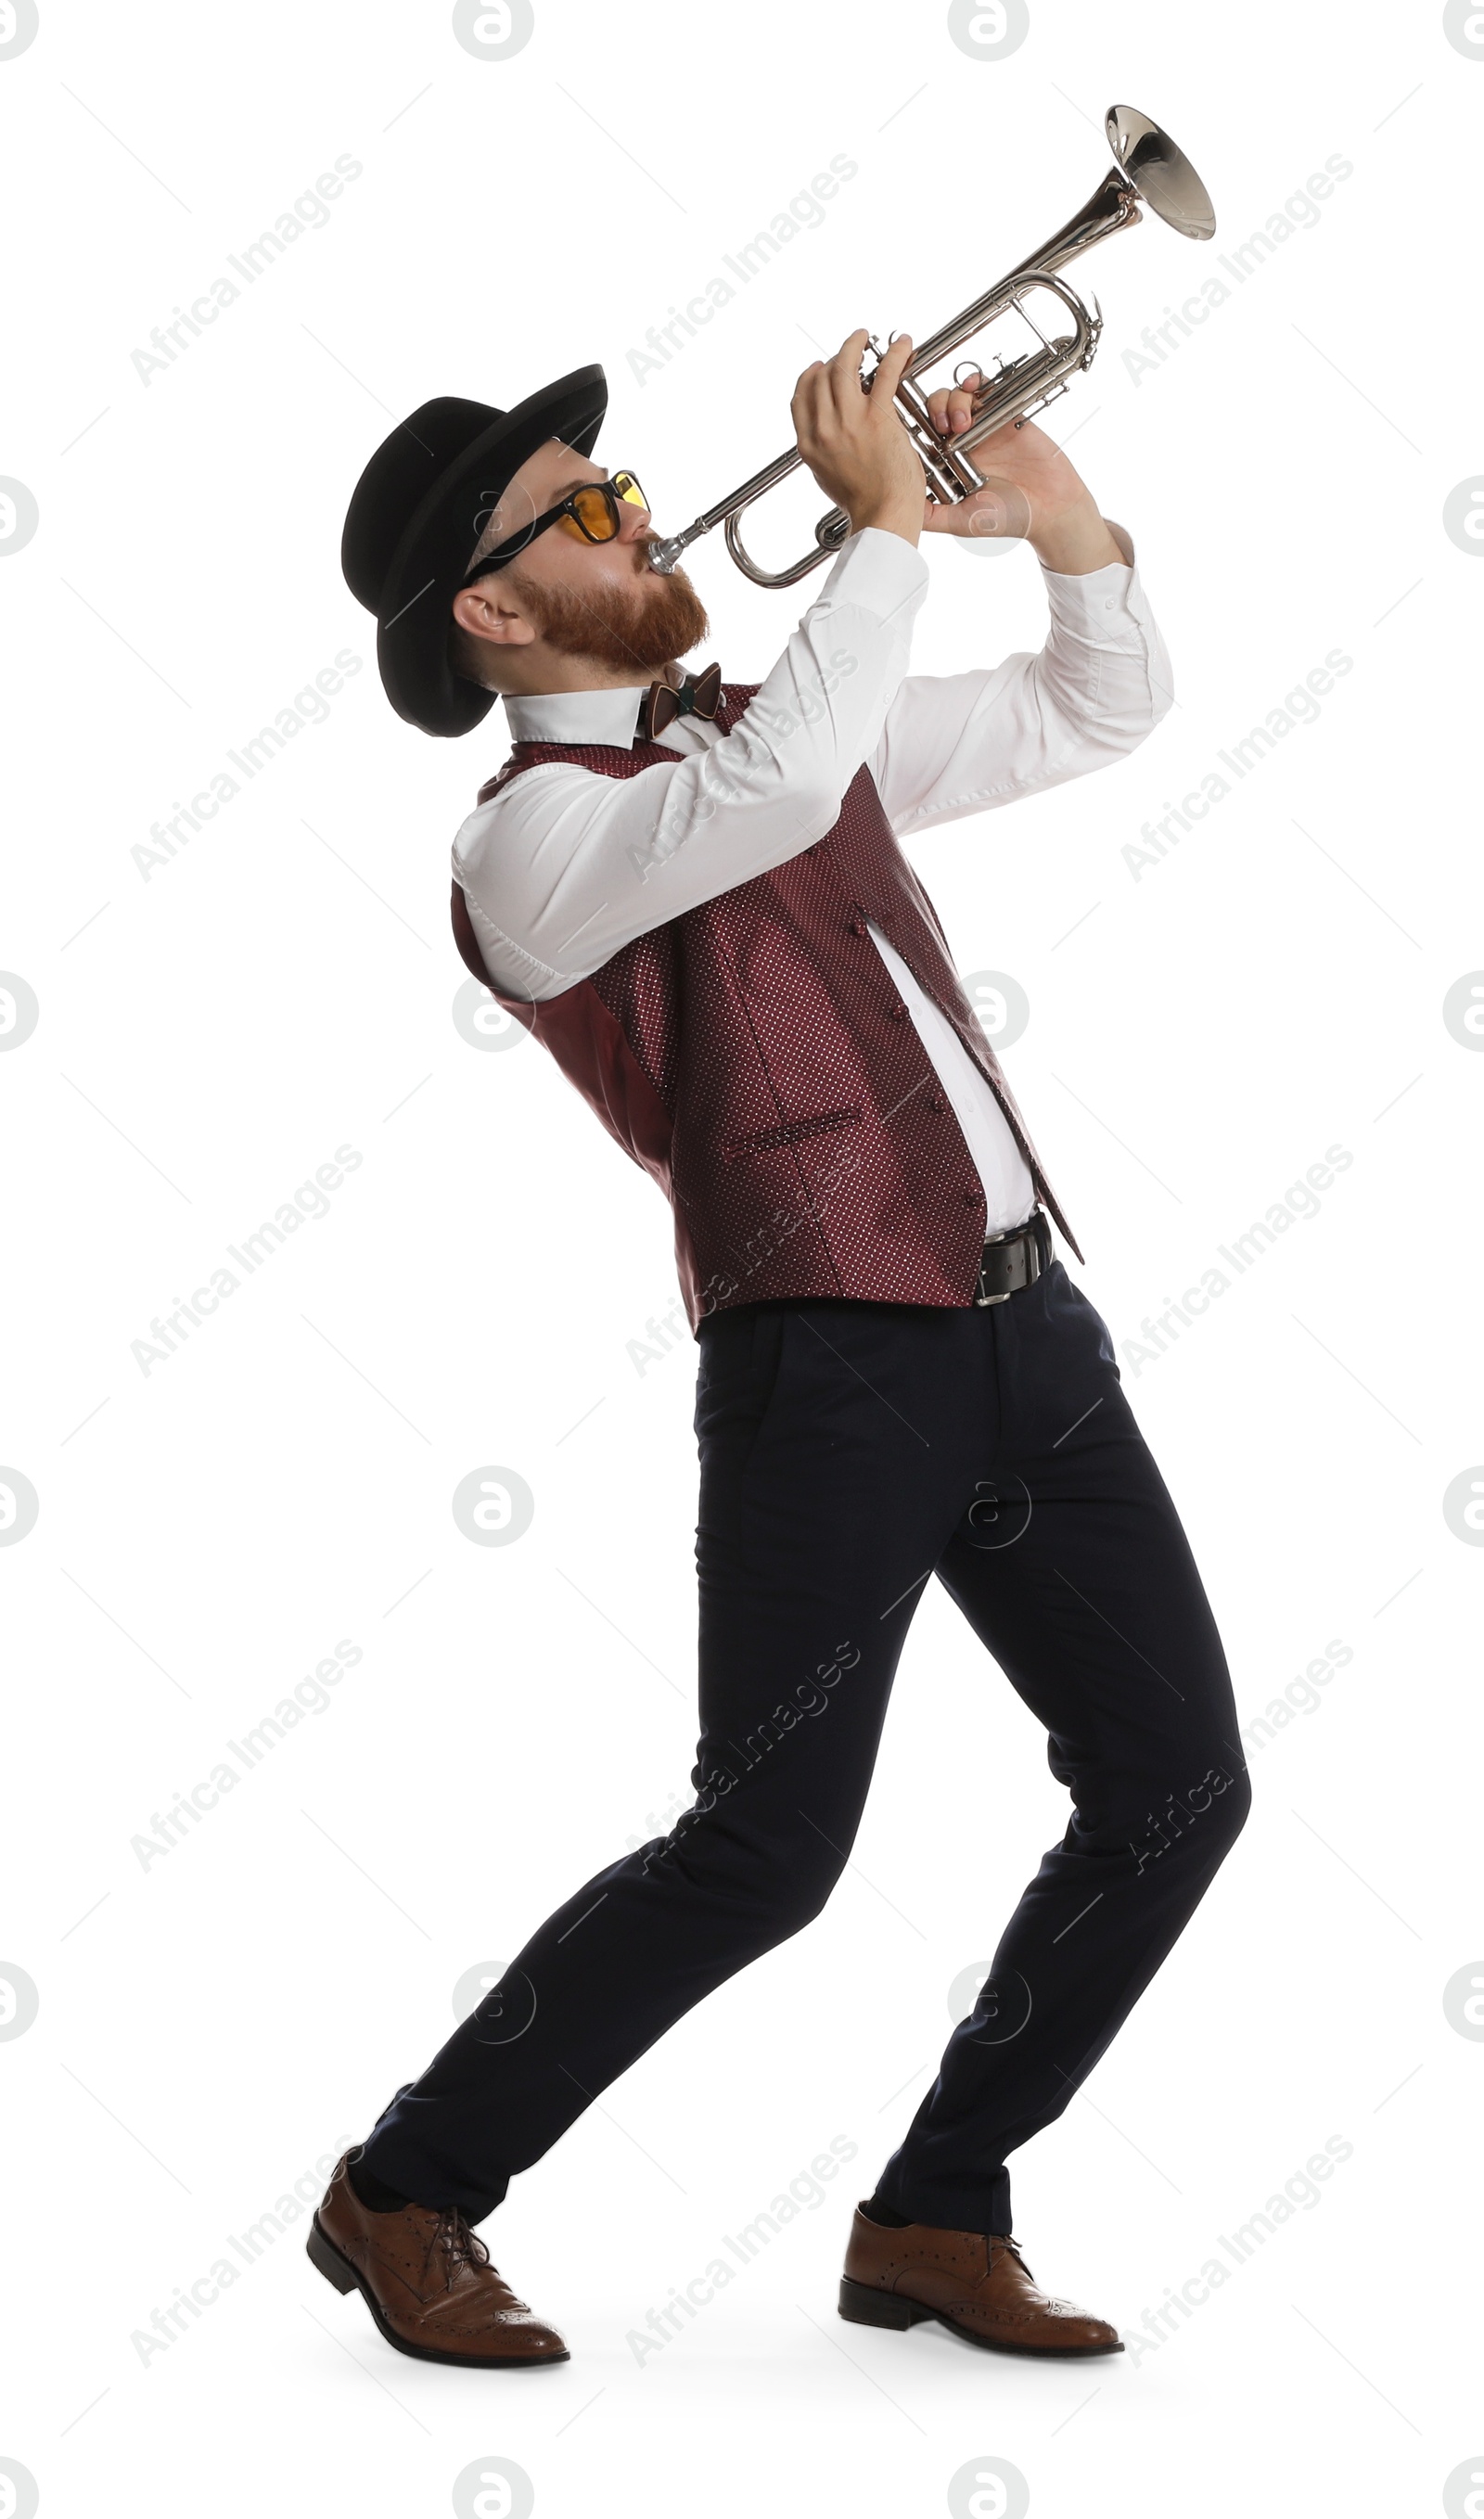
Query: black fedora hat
[{"x": 416, "y": 515}]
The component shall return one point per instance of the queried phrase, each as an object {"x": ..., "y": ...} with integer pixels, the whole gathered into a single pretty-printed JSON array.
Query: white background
[{"x": 211, "y": 2026}]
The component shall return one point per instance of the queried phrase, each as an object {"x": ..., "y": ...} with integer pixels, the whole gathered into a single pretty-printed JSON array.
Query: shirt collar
[{"x": 608, "y": 717}]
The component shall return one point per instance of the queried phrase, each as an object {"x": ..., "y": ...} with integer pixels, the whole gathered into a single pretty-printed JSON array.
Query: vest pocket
[{"x": 788, "y": 1132}]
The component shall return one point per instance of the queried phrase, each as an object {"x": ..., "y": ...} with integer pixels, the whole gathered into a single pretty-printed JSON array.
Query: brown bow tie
[{"x": 660, "y": 706}]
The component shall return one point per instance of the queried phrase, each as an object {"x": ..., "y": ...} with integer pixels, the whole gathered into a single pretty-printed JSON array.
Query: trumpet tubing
[{"x": 1148, "y": 170}]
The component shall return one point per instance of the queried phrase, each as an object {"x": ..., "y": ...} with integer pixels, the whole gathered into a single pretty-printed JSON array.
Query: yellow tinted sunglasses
[{"x": 595, "y": 507}]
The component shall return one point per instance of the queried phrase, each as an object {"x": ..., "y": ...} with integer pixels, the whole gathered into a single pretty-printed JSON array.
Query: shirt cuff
[
  {"x": 878, "y": 572},
  {"x": 1101, "y": 605}
]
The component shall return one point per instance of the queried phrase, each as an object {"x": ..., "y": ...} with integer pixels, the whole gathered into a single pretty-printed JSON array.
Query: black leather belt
[{"x": 1011, "y": 1260}]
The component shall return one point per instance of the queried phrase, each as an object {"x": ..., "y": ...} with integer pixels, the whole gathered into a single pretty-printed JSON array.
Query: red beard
[{"x": 640, "y": 629}]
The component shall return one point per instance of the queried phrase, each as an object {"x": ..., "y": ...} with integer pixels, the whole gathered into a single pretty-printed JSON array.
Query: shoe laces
[{"x": 460, "y": 2246}]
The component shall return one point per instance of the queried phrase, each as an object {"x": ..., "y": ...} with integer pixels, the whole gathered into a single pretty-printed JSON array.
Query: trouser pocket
[{"x": 740, "y": 1352}]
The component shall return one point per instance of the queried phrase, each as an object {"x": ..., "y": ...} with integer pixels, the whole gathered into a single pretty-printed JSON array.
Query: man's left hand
[{"x": 1031, "y": 488}]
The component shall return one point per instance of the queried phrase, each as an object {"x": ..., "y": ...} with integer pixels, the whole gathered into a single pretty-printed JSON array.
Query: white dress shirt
[{"x": 564, "y": 867}]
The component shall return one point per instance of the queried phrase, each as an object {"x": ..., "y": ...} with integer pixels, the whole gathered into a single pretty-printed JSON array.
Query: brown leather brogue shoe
[
  {"x": 980, "y": 2287},
  {"x": 427, "y": 2281}
]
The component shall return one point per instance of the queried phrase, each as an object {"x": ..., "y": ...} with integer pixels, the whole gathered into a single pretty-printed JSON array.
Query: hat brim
[{"x": 432, "y": 557}]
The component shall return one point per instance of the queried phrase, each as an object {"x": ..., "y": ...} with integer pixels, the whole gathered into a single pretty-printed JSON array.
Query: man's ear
[{"x": 486, "y": 614}]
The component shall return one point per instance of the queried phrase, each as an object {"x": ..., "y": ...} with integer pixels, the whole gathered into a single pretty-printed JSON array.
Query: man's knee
[
  {"x": 796, "y": 1888},
  {"x": 1206, "y": 1816},
  {"x": 1222, "y": 1799},
  {"x": 1234, "y": 1805},
  {"x": 787, "y": 1888},
  {"x": 773, "y": 1885}
]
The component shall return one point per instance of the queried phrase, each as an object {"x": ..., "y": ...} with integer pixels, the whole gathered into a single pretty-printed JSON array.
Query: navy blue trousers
[{"x": 849, "y": 1452}]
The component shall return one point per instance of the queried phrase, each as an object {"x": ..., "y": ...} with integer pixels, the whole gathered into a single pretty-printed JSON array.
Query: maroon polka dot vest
[{"x": 755, "y": 1057}]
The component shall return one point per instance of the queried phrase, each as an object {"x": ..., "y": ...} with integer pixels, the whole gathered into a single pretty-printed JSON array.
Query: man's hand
[
  {"x": 1031, "y": 490},
  {"x": 854, "y": 443}
]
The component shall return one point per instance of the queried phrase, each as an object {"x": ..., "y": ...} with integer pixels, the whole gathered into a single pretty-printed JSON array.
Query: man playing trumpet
[{"x": 694, "y": 892}]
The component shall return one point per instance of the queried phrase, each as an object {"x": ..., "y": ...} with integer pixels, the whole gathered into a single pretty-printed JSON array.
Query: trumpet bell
[{"x": 1161, "y": 174}]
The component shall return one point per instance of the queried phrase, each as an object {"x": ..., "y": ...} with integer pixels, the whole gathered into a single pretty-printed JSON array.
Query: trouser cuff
[{"x": 985, "y": 2208}]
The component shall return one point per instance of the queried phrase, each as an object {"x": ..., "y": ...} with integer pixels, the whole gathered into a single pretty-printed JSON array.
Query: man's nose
[{"x": 633, "y": 521}]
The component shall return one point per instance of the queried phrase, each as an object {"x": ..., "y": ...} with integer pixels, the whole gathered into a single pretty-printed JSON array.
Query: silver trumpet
[{"x": 1148, "y": 168}]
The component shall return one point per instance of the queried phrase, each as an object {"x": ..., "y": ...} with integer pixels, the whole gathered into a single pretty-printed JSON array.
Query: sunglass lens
[
  {"x": 594, "y": 513},
  {"x": 628, "y": 488}
]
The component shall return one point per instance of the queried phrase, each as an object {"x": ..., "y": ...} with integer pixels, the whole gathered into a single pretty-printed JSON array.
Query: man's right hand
[{"x": 854, "y": 443}]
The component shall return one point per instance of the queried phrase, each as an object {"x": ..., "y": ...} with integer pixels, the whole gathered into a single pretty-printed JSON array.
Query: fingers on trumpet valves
[
  {"x": 952, "y": 406},
  {"x": 892, "y": 362}
]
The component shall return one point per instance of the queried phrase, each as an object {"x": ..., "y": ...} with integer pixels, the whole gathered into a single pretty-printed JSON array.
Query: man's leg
[
  {"x": 837, "y": 1447},
  {"x": 1072, "y": 1566}
]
